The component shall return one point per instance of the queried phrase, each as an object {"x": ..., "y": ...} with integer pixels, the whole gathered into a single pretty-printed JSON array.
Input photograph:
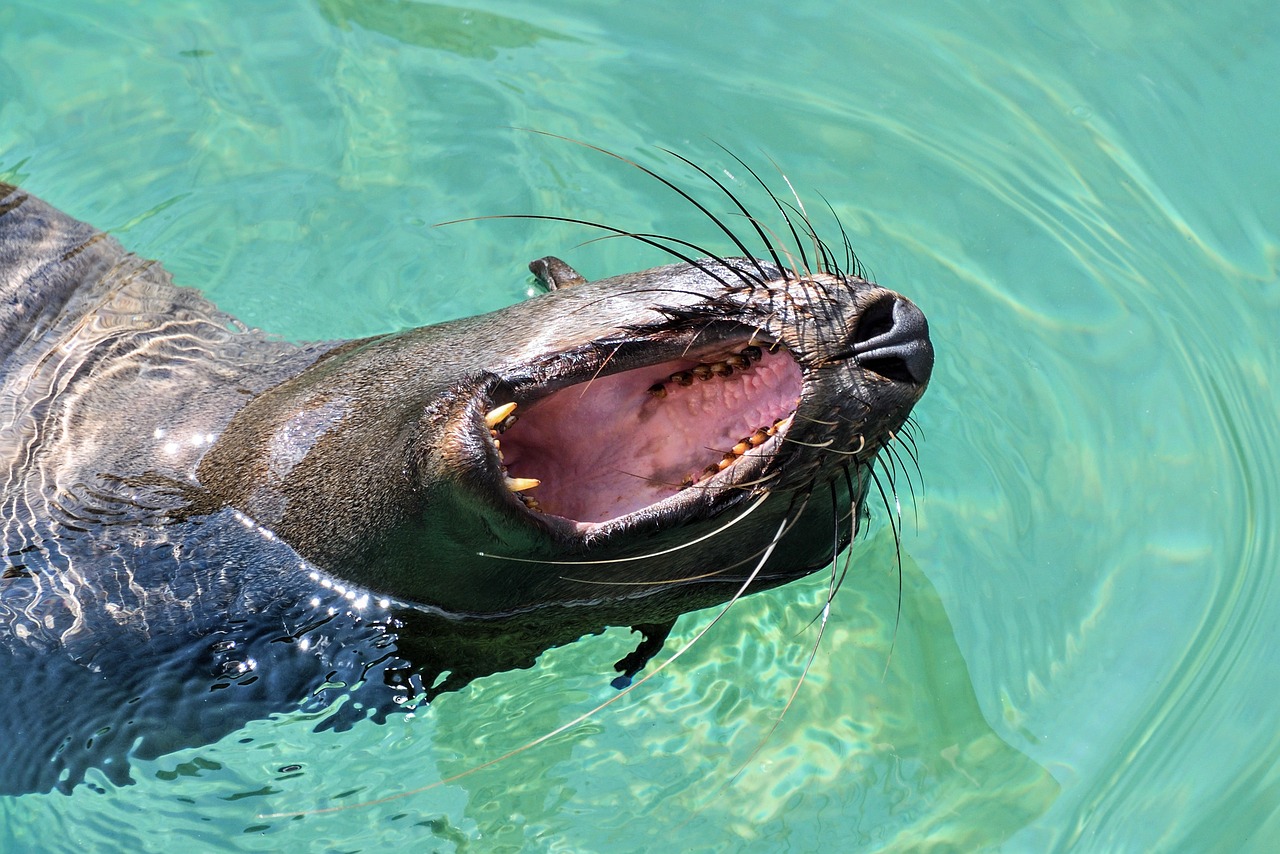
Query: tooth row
[
  {"x": 725, "y": 367},
  {"x": 756, "y": 439},
  {"x": 498, "y": 420}
]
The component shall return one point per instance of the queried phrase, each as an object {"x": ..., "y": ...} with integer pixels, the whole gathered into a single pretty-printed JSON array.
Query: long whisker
[
  {"x": 824, "y": 615},
  {"x": 836, "y": 519},
  {"x": 688, "y": 244},
  {"x": 738, "y": 204},
  {"x": 718, "y": 573},
  {"x": 862, "y": 443},
  {"x": 851, "y": 262},
  {"x": 909, "y": 445},
  {"x": 673, "y": 186},
  {"x": 897, "y": 547},
  {"x": 911, "y": 487},
  {"x": 808, "y": 664},
  {"x": 764, "y": 558},
  {"x": 589, "y": 224},
  {"x": 750, "y": 281},
  {"x": 804, "y": 261},
  {"x": 855, "y": 512},
  {"x": 819, "y": 249},
  {"x": 735, "y": 520}
]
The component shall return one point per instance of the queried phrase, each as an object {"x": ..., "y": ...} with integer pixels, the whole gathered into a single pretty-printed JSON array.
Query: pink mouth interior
[{"x": 611, "y": 446}]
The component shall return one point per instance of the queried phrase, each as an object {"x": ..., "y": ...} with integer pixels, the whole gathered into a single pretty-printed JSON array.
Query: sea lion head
[{"x": 646, "y": 444}]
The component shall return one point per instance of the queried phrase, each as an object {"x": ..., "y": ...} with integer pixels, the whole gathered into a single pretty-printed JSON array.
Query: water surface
[{"x": 1084, "y": 200}]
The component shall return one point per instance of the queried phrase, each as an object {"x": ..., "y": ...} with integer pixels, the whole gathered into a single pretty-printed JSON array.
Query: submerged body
[{"x": 202, "y": 524}]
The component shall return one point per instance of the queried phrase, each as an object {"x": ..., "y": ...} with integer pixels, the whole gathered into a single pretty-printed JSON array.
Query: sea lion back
[{"x": 41, "y": 264}]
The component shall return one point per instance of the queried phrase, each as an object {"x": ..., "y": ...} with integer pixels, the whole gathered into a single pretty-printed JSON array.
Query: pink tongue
[{"x": 610, "y": 446}]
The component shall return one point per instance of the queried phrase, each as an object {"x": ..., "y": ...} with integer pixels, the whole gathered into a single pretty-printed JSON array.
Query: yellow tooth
[
  {"x": 702, "y": 372},
  {"x": 741, "y": 448},
  {"x": 721, "y": 369},
  {"x": 682, "y": 378},
  {"x": 498, "y": 415},
  {"x": 658, "y": 390},
  {"x": 520, "y": 484},
  {"x": 738, "y": 361},
  {"x": 758, "y": 437},
  {"x": 724, "y": 464}
]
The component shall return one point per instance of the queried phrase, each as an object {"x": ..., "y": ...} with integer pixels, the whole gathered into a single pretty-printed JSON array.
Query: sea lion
[{"x": 203, "y": 524}]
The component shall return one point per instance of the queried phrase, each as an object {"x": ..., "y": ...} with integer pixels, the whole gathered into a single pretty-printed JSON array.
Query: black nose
[{"x": 892, "y": 339}]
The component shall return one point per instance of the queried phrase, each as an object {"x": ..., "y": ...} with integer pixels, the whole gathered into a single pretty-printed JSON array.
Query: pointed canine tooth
[
  {"x": 520, "y": 484},
  {"x": 498, "y": 415}
]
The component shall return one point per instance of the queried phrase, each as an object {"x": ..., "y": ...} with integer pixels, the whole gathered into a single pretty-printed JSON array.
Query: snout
[{"x": 892, "y": 339}]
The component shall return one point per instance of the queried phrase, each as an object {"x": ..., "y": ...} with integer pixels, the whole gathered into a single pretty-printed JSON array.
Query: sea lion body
[{"x": 203, "y": 524}]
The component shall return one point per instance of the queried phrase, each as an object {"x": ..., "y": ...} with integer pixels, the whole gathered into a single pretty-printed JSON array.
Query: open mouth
[{"x": 615, "y": 444}]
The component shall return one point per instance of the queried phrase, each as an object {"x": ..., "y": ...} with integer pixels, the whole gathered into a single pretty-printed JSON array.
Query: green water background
[{"x": 1083, "y": 197}]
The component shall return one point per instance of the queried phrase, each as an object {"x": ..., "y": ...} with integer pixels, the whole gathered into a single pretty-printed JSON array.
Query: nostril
[
  {"x": 876, "y": 320},
  {"x": 892, "y": 339}
]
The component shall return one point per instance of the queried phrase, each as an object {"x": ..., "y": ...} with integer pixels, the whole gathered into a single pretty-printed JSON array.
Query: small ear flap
[{"x": 554, "y": 274}]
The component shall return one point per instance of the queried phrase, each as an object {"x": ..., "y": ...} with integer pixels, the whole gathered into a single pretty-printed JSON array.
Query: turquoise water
[{"x": 1083, "y": 197}]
